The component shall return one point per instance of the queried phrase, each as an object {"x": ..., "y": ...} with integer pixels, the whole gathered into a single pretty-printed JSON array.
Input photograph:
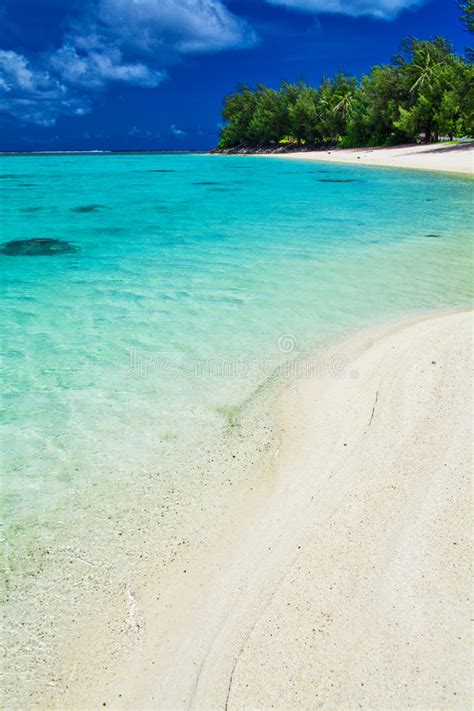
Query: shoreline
[
  {"x": 266, "y": 613},
  {"x": 456, "y": 159}
]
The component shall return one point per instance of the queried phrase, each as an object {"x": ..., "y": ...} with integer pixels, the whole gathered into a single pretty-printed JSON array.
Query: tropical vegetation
[{"x": 425, "y": 93}]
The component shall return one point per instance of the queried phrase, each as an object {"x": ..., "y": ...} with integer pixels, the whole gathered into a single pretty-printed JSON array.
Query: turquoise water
[{"x": 195, "y": 277}]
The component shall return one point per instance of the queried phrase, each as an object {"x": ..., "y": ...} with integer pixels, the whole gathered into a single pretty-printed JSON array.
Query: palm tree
[
  {"x": 344, "y": 99},
  {"x": 423, "y": 70}
]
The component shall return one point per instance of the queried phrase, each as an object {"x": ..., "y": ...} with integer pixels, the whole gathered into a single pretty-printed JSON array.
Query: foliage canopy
[{"x": 427, "y": 91}]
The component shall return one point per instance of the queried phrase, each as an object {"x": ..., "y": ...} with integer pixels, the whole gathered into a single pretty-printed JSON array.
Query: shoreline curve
[{"x": 348, "y": 585}]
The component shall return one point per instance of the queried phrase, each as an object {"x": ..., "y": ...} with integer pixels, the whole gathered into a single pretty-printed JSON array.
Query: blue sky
[{"x": 151, "y": 74}]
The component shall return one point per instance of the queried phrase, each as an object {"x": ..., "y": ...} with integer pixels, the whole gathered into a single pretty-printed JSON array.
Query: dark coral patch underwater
[
  {"x": 87, "y": 208},
  {"x": 38, "y": 247}
]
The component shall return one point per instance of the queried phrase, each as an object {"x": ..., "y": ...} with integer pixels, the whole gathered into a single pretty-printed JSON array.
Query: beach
[
  {"x": 457, "y": 158},
  {"x": 346, "y": 583}
]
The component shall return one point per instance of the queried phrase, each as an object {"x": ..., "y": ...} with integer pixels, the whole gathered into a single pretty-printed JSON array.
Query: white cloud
[
  {"x": 127, "y": 41},
  {"x": 97, "y": 68},
  {"x": 136, "y": 132},
  {"x": 177, "y": 131},
  {"x": 381, "y": 9},
  {"x": 33, "y": 94},
  {"x": 180, "y": 26},
  {"x": 18, "y": 74}
]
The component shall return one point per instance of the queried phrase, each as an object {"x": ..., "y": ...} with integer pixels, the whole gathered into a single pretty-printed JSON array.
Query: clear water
[{"x": 195, "y": 277}]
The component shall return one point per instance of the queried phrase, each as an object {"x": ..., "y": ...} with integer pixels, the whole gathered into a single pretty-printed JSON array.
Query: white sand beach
[
  {"x": 346, "y": 583},
  {"x": 447, "y": 158}
]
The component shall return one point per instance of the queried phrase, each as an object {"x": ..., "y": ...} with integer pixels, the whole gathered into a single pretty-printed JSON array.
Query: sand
[
  {"x": 345, "y": 583},
  {"x": 439, "y": 157}
]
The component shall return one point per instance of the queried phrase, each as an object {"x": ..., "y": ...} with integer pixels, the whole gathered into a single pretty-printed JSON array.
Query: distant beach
[{"x": 458, "y": 158}]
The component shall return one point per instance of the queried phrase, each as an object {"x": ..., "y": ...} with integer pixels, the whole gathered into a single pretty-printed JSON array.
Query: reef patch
[
  {"x": 87, "y": 208},
  {"x": 37, "y": 247}
]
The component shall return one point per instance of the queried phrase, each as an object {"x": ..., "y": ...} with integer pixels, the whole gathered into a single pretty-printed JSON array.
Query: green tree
[
  {"x": 467, "y": 18},
  {"x": 382, "y": 94},
  {"x": 270, "y": 119},
  {"x": 238, "y": 111},
  {"x": 426, "y": 71},
  {"x": 303, "y": 114},
  {"x": 334, "y": 104}
]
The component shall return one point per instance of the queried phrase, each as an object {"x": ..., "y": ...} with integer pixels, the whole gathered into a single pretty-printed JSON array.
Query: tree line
[{"x": 426, "y": 92}]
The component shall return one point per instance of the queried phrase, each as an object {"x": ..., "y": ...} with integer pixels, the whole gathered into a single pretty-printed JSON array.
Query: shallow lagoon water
[{"x": 194, "y": 278}]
